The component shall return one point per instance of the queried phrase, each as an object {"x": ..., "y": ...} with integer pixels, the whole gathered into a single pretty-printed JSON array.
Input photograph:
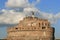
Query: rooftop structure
[{"x": 31, "y": 28}]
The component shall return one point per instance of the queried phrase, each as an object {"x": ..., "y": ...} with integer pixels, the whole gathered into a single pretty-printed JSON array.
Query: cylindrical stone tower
[{"x": 31, "y": 28}]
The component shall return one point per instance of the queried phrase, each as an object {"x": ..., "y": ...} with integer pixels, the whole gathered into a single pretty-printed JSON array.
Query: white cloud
[
  {"x": 38, "y": 0},
  {"x": 30, "y": 9},
  {"x": 13, "y": 17},
  {"x": 20, "y": 3},
  {"x": 17, "y": 3},
  {"x": 58, "y": 15},
  {"x": 53, "y": 18},
  {"x": 10, "y": 17}
]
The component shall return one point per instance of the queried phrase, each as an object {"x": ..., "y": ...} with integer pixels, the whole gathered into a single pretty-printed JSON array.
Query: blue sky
[{"x": 48, "y": 6}]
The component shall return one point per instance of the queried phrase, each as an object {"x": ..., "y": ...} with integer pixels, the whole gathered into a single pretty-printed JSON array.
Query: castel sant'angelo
[{"x": 31, "y": 28}]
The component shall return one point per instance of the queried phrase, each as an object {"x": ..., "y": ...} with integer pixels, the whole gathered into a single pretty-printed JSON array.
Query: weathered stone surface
[{"x": 31, "y": 28}]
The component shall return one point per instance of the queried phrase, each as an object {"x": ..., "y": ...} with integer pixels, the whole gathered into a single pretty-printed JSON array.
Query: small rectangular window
[
  {"x": 39, "y": 24},
  {"x": 43, "y": 27}
]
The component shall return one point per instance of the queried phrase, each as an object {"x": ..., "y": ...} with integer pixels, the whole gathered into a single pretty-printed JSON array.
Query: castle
[{"x": 31, "y": 28}]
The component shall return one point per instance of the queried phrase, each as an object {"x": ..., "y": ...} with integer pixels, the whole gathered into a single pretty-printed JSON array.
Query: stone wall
[{"x": 31, "y": 29}]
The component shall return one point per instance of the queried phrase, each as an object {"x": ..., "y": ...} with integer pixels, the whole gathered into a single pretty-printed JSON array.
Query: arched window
[
  {"x": 42, "y": 23},
  {"x": 39, "y": 24},
  {"x": 34, "y": 27},
  {"x": 46, "y": 24},
  {"x": 22, "y": 28},
  {"x": 16, "y": 28}
]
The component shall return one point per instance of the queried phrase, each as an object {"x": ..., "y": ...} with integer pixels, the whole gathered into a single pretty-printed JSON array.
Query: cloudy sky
[{"x": 12, "y": 11}]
